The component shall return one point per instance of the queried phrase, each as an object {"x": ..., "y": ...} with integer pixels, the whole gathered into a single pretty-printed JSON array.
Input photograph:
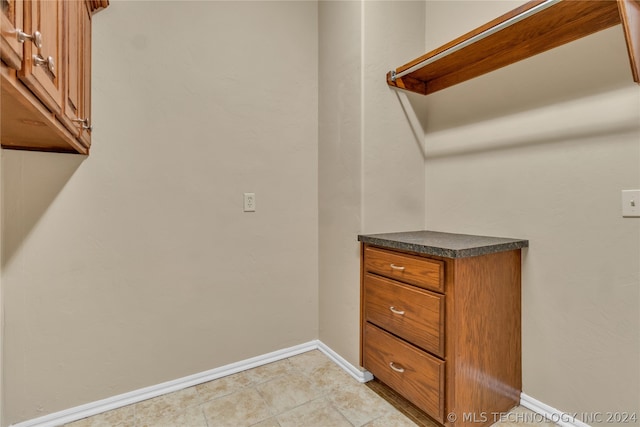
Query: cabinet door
[
  {"x": 86, "y": 73},
  {"x": 43, "y": 68},
  {"x": 12, "y": 18},
  {"x": 77, "y": 99}
]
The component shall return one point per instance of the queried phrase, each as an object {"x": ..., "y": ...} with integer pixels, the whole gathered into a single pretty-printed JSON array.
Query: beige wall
[
  {"x": 1, "y": 308},
  {"x": 339, "y": 174},
  {"x": 392, "y": 162},
  {"x": 136, "y": 265},
  {"x": 370, "y": 163},
  {"x": 541, "y": 150}
]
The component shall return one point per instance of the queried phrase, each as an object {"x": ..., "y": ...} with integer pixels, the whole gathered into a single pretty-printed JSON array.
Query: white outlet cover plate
[
  {"x": 631, "y": 203},
  {"x": 249, "y": 204}
]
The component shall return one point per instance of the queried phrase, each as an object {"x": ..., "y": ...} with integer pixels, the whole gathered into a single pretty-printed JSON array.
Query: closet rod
[{"x": 489, "y": 31}]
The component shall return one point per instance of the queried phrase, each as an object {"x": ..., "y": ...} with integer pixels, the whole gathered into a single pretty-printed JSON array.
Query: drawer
[
  {"x": 413, "y": 373},
  {"x": 415, "y": 314},
  {"x": 424, "y": 272}
]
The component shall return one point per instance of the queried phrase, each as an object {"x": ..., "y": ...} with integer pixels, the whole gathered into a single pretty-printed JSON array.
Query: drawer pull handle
[
  {"x": 397, "y": 267},
  {"x": 396, "y": 368},
  {"x": 396, "y": 311}
]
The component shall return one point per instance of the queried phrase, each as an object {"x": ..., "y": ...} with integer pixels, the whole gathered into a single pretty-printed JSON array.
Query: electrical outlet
[
  {"x": 249, "y": 202},
  {"x": 631, "y": 203}
]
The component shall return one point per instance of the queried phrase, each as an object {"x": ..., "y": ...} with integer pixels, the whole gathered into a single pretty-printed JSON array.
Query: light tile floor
[{"x": 307, "y": 390}]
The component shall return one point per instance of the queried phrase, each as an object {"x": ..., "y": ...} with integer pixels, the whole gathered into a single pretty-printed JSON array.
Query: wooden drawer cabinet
[
  {"x": 45, "y": 75},
  {"x": 444, "y": 332}
]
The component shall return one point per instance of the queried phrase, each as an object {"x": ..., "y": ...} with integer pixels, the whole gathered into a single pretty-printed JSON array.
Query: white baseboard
[
  {"x": 550, "y": 413},
  {"x": 119, "y": 401},
  {"x": 358, "y": 374}
]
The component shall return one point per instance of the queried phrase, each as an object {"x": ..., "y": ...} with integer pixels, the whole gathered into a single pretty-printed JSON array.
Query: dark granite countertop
[{"x": 447, "y": 245}]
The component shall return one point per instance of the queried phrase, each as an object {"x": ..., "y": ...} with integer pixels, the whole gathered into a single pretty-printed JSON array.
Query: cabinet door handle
[
  {"x": 36, "y": 37},
  {"x": 396, "y": 311},
  {"x": 397, "y": 267},
  {"x": 85, "y": 123},
  {"x": 396, "y": 368},
  {"x": 39, "y": 61}
]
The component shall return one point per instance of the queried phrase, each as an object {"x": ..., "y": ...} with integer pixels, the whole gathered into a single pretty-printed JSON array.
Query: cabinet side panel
[
  {"x": 362, "y": 318},
  {"x": 630, "y": 17},
  {"x": 487, "y": 312}
]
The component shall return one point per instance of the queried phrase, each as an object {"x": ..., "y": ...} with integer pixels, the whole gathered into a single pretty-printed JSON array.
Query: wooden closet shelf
[{"x": 558, "y": 22}]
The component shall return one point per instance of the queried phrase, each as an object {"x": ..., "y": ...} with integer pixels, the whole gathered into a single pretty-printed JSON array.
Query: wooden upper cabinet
[
  {"x": 528, "y": 30},
  {"x": 46, "y": 74},
  {"x": 12, "y": 19}
]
